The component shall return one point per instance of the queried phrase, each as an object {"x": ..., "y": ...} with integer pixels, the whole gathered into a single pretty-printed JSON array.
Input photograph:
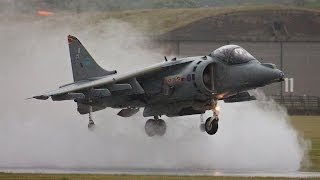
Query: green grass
[
  {"x": 309, "y": 128},
  {"x": 121, "y": 177},
  {"x": 314, "y": 5}
]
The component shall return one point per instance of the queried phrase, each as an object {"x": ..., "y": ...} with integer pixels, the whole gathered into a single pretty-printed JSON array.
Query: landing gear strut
[
  {"x": 91, "y": 124},
  {"x": 155, "y": 126}
]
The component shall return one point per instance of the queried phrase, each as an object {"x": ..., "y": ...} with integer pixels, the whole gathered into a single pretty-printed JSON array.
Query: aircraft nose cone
[
  {"x": 281, "y": 76},
  {"x": 269, "y": 75},
  {"x": 278, "y": 76}
]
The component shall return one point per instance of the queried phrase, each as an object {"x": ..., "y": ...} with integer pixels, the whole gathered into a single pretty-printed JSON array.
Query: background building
[{"x": 286, "y": 37}]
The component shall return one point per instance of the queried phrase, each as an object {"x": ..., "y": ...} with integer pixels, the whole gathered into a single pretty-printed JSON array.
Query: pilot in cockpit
[{"x": 233, "y": 54}]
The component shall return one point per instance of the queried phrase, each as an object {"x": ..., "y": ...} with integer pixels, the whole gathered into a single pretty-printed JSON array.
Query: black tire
[
  {"x": 149, "y": 128},
  {"x": 160, "y": 127},
  {"x": 211, "y": 128}
]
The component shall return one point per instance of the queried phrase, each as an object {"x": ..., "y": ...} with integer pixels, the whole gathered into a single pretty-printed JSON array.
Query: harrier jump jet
[{"x": 177, "y": 87}]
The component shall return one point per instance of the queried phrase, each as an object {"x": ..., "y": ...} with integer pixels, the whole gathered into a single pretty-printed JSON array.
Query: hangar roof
[
  {"x": 241, "y": 23},
  {"x": 178, "y": 23},
  {"x": 280, "y": 24}
]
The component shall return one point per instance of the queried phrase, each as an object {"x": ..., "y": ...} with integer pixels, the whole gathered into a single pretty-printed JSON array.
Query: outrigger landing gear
[
  {"x": 155, "y": 126},
  {"x": 91, "y": 124}
]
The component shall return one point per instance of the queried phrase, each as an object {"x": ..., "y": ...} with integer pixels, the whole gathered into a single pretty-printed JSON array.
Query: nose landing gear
[
  {"x": 212, "y": 123},
  {"x": 211, "y": 126}
]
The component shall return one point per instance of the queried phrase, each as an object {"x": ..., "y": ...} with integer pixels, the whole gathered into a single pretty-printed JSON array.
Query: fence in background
[{"x": 300, "y": 105}]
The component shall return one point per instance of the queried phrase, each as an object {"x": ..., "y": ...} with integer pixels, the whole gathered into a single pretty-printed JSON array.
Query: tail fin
[{"x": 83, "y": 65}]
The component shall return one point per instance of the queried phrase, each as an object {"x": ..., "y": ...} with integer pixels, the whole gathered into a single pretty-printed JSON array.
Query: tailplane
[{"x": 83, "y": 65}]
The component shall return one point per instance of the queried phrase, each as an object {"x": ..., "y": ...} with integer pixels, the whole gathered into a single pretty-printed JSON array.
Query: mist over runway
[{"x": 34, "y": 58}]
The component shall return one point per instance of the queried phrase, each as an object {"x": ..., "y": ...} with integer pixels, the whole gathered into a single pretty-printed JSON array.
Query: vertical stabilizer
[{"x": 83, "y": 65}]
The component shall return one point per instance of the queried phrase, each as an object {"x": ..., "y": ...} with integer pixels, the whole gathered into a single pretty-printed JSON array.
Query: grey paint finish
[
  {"x": 301, "y": 61},
  {"x": 263, "y": 51},
  {"x": 83, "y": 65},
  {"x": 266, "y": 52},
  {"x": 174, "y": 88}
]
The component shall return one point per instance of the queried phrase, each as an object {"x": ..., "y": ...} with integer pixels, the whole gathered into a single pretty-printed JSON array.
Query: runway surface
[{"x": 178, "y": 172}]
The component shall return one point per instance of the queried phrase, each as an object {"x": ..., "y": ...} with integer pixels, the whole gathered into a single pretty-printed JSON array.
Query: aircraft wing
[{"x": 108, "y": 80}]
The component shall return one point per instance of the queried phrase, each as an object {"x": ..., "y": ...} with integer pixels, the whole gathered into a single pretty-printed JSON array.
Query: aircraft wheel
[
  {"x": 160, "y": 127},
  {"x": 211, "y": 126},
  {"x": 149, "y": 128}
]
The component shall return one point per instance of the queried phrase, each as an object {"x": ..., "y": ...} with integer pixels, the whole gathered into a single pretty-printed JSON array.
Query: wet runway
[{"x": 178, "y": 172}]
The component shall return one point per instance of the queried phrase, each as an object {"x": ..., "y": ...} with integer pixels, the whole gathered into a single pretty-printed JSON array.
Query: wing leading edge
[{"x": 108, "y": 80}]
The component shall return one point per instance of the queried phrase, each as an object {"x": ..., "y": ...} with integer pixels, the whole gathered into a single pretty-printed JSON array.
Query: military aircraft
[{"x": 176, "y": 87}]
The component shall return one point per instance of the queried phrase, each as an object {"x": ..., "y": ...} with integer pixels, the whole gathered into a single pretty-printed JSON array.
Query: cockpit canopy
[{"x": 232, "y": 54}]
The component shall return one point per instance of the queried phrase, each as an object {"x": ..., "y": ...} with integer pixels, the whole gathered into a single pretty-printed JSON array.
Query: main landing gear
[
  {"x": 211, "y": 124},
  {"x": 155, "y": 127}
]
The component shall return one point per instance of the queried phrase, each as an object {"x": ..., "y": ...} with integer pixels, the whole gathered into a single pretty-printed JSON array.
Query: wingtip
[{"x": 41, "y": 97}]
